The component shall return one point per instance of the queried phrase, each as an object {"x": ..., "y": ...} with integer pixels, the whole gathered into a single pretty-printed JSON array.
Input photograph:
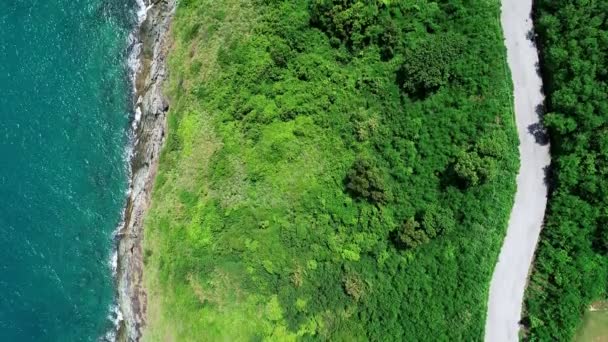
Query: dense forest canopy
[
  {"x": 334, "y": 169},
  {"x": 571, "y": 266}
]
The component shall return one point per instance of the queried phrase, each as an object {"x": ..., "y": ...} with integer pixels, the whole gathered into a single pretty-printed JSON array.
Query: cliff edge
[{"x": 151, "y": 107}]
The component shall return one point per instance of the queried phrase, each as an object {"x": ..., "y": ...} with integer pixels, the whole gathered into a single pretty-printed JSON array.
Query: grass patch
[{"x": 594, "y": 327}]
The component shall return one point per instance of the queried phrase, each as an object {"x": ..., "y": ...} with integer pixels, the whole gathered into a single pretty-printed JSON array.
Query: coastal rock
[{"x": 152, "y": 106}]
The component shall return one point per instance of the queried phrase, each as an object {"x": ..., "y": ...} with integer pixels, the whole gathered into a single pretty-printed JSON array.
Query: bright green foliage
[
  {"x": 571, "y": 266},
  {"x": 305, "y": 193},
  {"x": 472, "y": 169}
]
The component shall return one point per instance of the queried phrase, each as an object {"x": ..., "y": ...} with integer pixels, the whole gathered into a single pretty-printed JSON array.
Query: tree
[
  {"x": 354, "y": 286},
  {"x": 345, "y": 20},
  {"x": 473, "y": 169},
  {"x": 410, "y": 235},
  {"x": 427, "y": 65},
  {"x": 365, "y": 181},
  {"x": 437, "y": 220}
]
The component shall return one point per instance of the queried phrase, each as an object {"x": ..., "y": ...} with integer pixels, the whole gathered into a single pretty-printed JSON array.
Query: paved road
[{"x": 511, "y": 272}]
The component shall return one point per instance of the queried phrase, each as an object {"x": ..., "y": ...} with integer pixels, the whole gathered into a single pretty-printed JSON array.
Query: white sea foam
[
  {"x": 142, "y": 11},
  {"x": 114, "y": 262},
  {"x": 137, "y": 117},
  {"x": 134, "y": 65},
  {"x": 115, "y": 316}
]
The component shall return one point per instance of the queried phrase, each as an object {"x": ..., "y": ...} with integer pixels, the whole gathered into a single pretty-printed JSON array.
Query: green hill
[{"x": 336, "y": 170}]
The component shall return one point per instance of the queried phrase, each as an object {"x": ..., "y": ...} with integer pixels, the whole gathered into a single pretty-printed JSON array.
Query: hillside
[{"x": 333, "y": 170}]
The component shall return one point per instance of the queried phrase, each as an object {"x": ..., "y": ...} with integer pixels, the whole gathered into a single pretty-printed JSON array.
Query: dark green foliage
[
  {"x": 353, "y": 22},
  {"x": 600, "y": 240},
  {"x": 434, "y": 221},
  {"x": 410, "y": 234},
  {"x": 427, "y": 65},
  {"x": 571, "y": 266},
  {"x": 365, "y": 181},
  {"x": 309, "y": 193}
]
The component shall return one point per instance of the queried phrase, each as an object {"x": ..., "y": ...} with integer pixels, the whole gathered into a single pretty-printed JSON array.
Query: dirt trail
[{"x": 511, "y": 272}]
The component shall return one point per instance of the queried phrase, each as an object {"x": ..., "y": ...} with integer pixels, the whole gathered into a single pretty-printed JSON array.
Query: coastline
[{"x": 147, "y": 61}]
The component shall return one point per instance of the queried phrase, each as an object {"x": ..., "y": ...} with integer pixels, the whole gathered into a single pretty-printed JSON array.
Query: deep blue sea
[{"x": 64, "y": 118}]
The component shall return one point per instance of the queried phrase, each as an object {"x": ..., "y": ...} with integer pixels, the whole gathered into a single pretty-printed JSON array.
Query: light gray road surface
[{"x": 511, "y": 273}]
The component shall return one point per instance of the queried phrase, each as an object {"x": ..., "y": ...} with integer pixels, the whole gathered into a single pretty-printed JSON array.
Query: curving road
[{"x": 511, "y": 272}]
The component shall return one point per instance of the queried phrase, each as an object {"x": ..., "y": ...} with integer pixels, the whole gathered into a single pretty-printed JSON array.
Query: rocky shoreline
[{"x": 149, "y": 53}]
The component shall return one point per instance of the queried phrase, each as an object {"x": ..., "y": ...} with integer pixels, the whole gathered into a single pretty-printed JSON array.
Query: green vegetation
[
  {"x": 595, "y": 324},
  {"x": 336, "y": 170},
  {"x": 571, "y": 267}
]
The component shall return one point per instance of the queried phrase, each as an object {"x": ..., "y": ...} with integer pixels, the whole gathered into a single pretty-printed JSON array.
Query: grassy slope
[{"x": 251, "y": 233}]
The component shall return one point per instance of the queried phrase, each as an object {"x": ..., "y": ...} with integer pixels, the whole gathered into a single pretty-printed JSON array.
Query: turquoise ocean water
[{"x": 64, "y": 118}]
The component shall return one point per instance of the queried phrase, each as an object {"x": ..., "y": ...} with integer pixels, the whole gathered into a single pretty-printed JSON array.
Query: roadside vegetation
[
  {"x": 339, "y": 170},
  {"x": 571, "y": 266}
]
